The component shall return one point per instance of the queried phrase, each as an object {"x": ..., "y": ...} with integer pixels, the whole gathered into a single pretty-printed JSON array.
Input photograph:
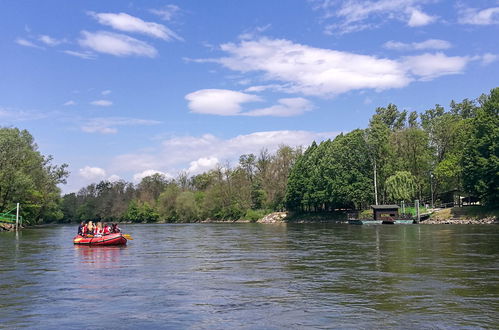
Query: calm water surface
[{"x": 251, "y": 276}]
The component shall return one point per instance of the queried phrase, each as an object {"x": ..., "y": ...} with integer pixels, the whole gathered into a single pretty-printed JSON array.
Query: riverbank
[{"x": 474, "y": 215}]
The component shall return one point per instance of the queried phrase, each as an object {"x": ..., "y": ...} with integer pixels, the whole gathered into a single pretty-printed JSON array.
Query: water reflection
[{"x": 99, "y": 256}]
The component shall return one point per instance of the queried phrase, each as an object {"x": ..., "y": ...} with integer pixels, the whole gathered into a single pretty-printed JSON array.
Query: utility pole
[
  {"x": 17, "y": 217},
  {"x": 375, "y": 185},
  {"x": 431, "y": 189}
]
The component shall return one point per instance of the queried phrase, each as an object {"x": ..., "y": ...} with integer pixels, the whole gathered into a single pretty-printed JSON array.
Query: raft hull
[{"x": 111, "y": 239}]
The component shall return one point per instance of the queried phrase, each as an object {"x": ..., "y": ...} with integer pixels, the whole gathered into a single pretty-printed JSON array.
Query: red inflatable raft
[{"x": 111, "y": 239}]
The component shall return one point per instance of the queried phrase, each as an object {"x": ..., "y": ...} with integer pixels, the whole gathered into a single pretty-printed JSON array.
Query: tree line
[
  {"x": 401, "y": 155},
  {"x": 249, "y": 190}
]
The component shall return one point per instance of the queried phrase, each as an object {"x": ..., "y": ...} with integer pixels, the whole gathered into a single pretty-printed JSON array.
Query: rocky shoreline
[
  {"x": 437, "y": 221},
  {"x": 7, "y": 227},
  {"x": 284, "y": 217}
]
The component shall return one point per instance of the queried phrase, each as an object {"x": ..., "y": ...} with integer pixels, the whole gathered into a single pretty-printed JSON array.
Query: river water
[{"x": 254, "y": 276}]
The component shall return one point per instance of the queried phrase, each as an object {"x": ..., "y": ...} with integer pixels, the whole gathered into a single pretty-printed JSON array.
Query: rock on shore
[
  {"x": 437, "y": 221},
  {"x": 275, "y": 217},
  {"x": 7, "y": 227}
]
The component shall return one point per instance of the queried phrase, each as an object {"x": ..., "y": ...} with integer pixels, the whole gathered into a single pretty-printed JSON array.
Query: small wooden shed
[{"x": 385, "y": 212}]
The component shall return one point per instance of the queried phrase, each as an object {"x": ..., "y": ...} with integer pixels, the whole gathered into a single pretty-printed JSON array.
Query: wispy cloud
[
  {"x": 475, "y": 16},
  {"x": 427, "y": 44},
  {"x": 49, "y": 41},
  {"x": 106, "y": 92},
  {"x": 9, "y": 115},
  {"x": 108, "y": 125},
  {"x": 69, "y": 103},
  {"x": 127, "y": 23},
  {"x": 27, "y": 43},
  {"x": 86, "y": 55},
  {"x": 286, "y": 107},
  {"x": 116, "y": 44},
  {"x": 167, "y": 12},
  {"x": 102, "y": 103},
  {"x": 357, "y": 15}
]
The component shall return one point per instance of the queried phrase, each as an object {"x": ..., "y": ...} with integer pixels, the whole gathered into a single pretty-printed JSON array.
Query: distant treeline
[
  {"x": 255, "y": 186},
  {"x": 401, "y": 155}
]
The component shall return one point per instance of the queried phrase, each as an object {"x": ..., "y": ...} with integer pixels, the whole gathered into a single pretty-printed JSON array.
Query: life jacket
[{"x": 107, "y": 230}]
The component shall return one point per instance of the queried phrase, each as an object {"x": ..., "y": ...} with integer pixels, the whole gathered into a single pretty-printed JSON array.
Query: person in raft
[
  {"x": 115, "y": 229},
  {"x": 106, "y": 230},
  {"x": 98, "y": 230},
  {"x": 81, "y": 228},
  {"x": 90, "y": 228}
]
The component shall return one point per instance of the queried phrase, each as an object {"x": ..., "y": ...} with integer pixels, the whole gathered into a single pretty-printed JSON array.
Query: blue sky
[{"x": 123, "y": 89}]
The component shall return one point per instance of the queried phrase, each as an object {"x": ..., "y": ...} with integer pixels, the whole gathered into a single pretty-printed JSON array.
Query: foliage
[
  {"x": 481, "y": 156},
  {"x": 28, "y": 177},
  {"x": 400, "y": 187}
]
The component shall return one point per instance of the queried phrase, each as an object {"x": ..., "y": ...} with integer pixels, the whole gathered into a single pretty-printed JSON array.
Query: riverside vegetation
[{"x": 404, "y": 154}]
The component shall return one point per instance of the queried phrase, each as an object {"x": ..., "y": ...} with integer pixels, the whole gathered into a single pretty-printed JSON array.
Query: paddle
[{"x": 127, "y": 236}]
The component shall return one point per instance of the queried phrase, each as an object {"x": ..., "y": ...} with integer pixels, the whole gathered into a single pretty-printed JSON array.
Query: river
[{"x": 253, "y": 276}]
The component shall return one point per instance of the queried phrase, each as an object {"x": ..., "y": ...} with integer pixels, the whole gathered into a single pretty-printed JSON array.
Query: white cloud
[
  {"x": 357, "y": 15},
  {"x": 418, "y": 18},
  {"x": 106, "y": 92},
  {"x": 69, "y": 103},
  {"x": 8, "y": 115},
  {"x": 429, "y": 66},
  {"x": 218, "y": 101},
  {"x": 202, "y": 164},
  {"x": 194, "y": 152},
  {"x": 92, "y": 173},
  {"x": 49, "y": 41},
  {"x": 313, "y": 71},
  {"x": 27, "y": 43},
  {"x": 86, "y": 55},
  {"x": 307, "y": 70},
  {"x": 224, "y": 102},
  {"x": 287, "y": 107},
  {"x": 108, "y": 125},
  {"x": 167, "y": 12},
  {"x": 475, "y": 16},
  {"x": 128, "y": 23},
  {"x": 116, "y": 44},
  {"x": 114, "y": 178},
  {"x": 489, "y": 58},
  {"x": 102, "y": 103},
  {"x": 139, "y": 176},
  {"x": 427, "y": 44}
]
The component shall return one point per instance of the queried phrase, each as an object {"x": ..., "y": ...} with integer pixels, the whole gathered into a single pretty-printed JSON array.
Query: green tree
[
  {"x": 400, "y": 186},
  {"x": 481, "y": 155}
]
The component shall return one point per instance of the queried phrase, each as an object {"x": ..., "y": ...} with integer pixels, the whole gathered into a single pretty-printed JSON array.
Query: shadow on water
[{"x": 253, "y": 276}]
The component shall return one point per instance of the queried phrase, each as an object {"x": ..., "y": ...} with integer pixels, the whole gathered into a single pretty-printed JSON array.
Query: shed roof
[{"x": 384, "y": 207}]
